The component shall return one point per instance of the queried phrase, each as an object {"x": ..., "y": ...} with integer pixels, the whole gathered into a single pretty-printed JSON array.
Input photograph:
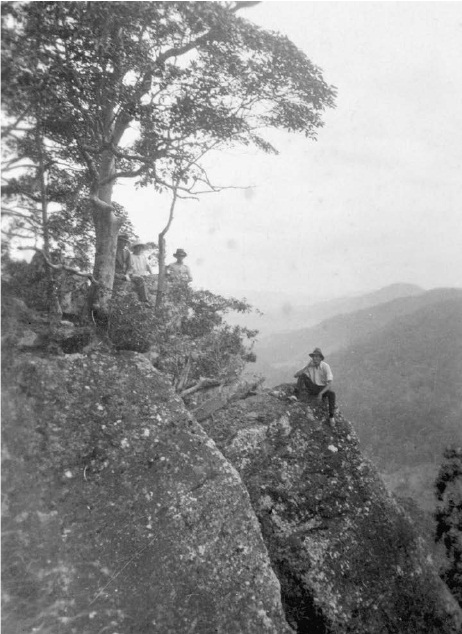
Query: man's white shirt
[{"x": 321, "y": 374}]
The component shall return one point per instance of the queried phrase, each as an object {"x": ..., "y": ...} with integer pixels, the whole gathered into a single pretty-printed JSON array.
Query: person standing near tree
[
  {"x": 123, "y": 257},
  {"x": 139, "y": 269},
  {"x": 315, "y": 379},
  {"x": 177, "y": 271}
]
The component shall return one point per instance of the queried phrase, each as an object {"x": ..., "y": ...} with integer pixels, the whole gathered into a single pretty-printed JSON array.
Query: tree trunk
[
  {"x": 106, "y": 229},
  {"x": 107, "y": 226},
  {"x": 162, "y": 273},
  {"x": 161, "y": 278},
  {"x": 54, "y": 307}
]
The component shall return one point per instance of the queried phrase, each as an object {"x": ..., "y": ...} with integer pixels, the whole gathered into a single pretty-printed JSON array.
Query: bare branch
[
  {"x": 242, "y": 5},
  {"x": 13, "y": 126},
  {"x": 219, "y": 188},
  {"x": 18, "y": 167},
  {"x": 203, "y": 383},
  {"x": 11, "y": 234},
  {"x": 6, "y": 211},
  {"x": 171, "y": 211},
  {"x": 61, "y": 267}
]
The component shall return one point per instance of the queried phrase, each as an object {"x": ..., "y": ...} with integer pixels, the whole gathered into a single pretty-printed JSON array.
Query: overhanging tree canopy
[{"x": 142, "y": 89}]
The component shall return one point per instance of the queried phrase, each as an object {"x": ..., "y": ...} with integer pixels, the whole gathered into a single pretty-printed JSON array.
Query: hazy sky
[{"x": 377, "y": 199}]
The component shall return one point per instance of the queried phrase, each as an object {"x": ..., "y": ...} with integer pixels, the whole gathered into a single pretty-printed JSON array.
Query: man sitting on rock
[{"x": 315, "y": 379}]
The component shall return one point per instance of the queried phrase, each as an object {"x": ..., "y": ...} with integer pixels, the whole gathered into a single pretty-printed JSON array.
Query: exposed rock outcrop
[
  {"x": 345, "y": 552},
  {"x": 120, "y": 514},
  {"x": 24, "y": 329}
]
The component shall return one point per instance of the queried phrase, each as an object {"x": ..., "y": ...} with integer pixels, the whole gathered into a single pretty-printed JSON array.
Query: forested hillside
[
  {"x": 402, "y": 386},
  {"x": 280, "y": 355}
]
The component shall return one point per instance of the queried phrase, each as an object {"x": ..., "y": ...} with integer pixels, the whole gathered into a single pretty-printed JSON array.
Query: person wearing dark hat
[
  {"x": 123, "y": 257},
  {"x": 315, "y": 379},
  {"x": 177, "y": 271}
]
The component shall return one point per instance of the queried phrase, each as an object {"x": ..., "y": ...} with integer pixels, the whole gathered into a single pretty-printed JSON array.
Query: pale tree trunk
[
  {"x": 107, "y": 226},
  {"x": 162, "y": 267},
  {"x": 54, "y": 308},
  {"x": 161, "y": 278}
]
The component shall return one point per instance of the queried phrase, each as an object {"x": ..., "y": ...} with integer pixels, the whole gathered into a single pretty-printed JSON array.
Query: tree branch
[
  {"x": 203, "y": 383},
  {"x": 61, "y": 267},
  {"x": 100, "y": 204},
  {"x": 171, "y": 211},
  {"x": 123, "y": 174},
  {"x": 242, "y": 5},
  {"x": 13, "y": 126},
  {"x": 19, "y": 192},
  {"x": 6, "y": 211}
]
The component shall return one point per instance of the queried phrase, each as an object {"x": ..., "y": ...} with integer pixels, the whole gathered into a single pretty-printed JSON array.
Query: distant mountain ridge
[
  {"x": 281, "y": 314},
  {"x": 281, "y": 354},
  {"x": 398, "y": 374},
  {"x": 351, "y": 304}
]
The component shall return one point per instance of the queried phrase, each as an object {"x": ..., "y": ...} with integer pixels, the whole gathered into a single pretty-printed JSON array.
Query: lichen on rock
[
  {"x": 347, "y": 555},
  {"x": 120, "y": 513}
]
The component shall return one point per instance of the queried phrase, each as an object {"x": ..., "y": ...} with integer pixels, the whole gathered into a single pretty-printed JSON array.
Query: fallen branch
[
  {"x": 238, "y": 391},
  {"x": 203, "y": 383}
]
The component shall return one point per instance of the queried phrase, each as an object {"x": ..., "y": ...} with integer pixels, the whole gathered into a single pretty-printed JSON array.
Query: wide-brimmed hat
[
  {"x": 124, "y": 237},
  {"x": 180, "y": 253},
  {"x": 138, "y": 244},
  {"x": 317, "y": 352}
]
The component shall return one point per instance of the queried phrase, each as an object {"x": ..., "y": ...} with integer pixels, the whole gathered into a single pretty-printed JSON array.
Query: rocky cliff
[
  {"x": 345, "y": 552},
  {"x": 121, "y": 513}
]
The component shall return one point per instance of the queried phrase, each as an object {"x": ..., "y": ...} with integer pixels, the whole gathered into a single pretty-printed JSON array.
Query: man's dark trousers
[{"x": 306, "y": 385}]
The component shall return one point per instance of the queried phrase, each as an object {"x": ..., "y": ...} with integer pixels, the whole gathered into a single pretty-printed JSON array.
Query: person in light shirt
[
  {"x": 315, "y": 379},
  {"x": 139, "y": 269}
]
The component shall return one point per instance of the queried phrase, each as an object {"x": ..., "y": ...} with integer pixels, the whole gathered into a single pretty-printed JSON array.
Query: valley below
[{"x": 397, "y": 364}]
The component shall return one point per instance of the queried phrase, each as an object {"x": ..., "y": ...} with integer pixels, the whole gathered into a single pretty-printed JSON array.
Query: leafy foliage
[
  {"x": 26, "y": 283},
  {"x": 188, "y": 336},
  {"x": 182, "y": 78},
  {"x": 448, "y": 517}
]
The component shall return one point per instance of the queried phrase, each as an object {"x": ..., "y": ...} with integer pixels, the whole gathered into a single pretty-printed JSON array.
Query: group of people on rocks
[
  {"x": 313, "y": 380},
  {"x": 134, "y": 266}
]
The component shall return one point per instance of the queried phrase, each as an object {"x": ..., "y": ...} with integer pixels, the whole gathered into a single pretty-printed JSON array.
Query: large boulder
[
  {"x": 346, "y": 554},
  {"x": 120, "y": 514}
]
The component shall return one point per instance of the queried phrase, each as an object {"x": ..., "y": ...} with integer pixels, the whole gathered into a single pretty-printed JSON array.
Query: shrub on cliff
[
  {"x": 449, "y": 517},
  {"x": 26, "y": 282},
  {"x": 188, "y": 334}
]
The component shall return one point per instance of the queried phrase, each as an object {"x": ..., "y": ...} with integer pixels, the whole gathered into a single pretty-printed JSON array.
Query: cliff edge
[
  {"x": 121, "y": 513},
  {"x": 346, "y": 554}
]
